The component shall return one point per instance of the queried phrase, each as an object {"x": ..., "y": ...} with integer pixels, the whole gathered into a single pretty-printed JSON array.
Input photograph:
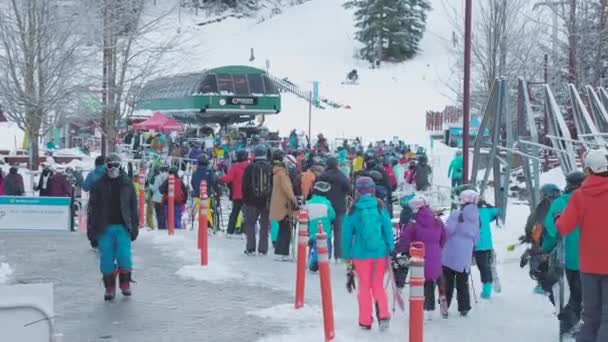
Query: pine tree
[{"x": 389, "y": 29}]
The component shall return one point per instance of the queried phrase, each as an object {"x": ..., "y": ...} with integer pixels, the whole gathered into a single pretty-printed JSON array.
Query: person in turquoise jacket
[
  {"x": 96, "y": 174},
  {"x": 367, "y": 243},
  {"x": 319, "y": 209},
  {"x": 455, "y": 170},
  {"x": 571, "y": 313},
  {"x": 484, "y": 247}
]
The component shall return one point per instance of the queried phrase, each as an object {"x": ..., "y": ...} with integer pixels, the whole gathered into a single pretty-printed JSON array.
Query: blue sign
[{"x": 315, "y": 93}]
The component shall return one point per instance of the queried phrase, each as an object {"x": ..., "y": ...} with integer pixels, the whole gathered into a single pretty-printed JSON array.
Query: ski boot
[
  {"x": 124, "y": 281},
  {"x": 464, "y": 313},
  {"x": 109, "y": 282},
  {"x": 384, "y": 324},
  {"x": 365, "y": 327},
  {"x": 486, "y": 293}
]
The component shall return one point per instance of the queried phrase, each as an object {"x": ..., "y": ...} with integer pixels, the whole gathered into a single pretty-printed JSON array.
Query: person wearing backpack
[
  {"x": 180, "y": 197},
  {"x": 425, "y": 227},
  {"x": 462, "y": 229},
  {"x": 283, "y": 203},
  {"x": 367, "y": 244},
  {"x": 204, "y": 173},
  {"x": 319, "y": 209},
  {"x": 234, "y": 177},
  {"x": 571, "y": 313},
  {"x": 257, "y": 190},
  {"x": 484, "y": 248}
]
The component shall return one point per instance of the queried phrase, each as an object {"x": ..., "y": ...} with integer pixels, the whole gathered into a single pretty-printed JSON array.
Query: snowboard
[
  {"x": 496, "y": 280},
  {"x": 558, "y": 289},
  {"x": 397, "y": 298}
]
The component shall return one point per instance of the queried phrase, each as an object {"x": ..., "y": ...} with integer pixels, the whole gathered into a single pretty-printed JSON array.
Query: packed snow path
[{"x": 164, "y": 307}]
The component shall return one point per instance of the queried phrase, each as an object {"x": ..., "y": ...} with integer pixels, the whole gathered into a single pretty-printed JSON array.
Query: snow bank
[
  {"x": 214, "y": 273},
  {"x": 5, "y": 272}
]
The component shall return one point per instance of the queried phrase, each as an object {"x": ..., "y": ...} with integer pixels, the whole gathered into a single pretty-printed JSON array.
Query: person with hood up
[
  {"x": 319, "y": 209},
  {"x": 43, "y": 182},
  {"x": 114, "y": 224},
  {"x": 13, "y": 183},
  {"x": 339, "y": 191},
  {"x": 157, "y": 196},
  {"x": 462, "y": 230},
  {"x": 96, "y": 174},
  {"x": 257, "y": 191},
  {"x": 455, "y": 170},
  {"x": 422, "y": 173},
  {"x": 571, "y": 313},
  {"x": 425, "y": 227},
  {"x": 234, "y": 178},
  {"x": 586, "y": 209},
  {"x": 367, "y": 244},
  {"x": 58, "y": 185},
  {"x": 484, "y": 248},
  {"x": 283, "y": 204}
]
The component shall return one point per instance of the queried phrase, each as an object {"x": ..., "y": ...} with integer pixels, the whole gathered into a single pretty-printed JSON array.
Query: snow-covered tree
[{"x": 390, "y": 30}]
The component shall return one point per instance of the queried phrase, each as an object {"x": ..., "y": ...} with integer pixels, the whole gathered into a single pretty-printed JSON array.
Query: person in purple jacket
[
  {"x": 462, "y": 231},
  {"x": 430, "y": 230}
]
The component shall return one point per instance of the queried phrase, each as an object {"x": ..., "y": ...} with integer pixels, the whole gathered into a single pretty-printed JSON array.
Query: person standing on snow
[
  {"x": 422, "y": 173},
  {"x": 484, "y": 248},
  {"x": 587, "y": 210},
  {"x": 234, "y": 178},
  {"x": 367, "y": 244},
  {"x": 43, "y": 182},
  {"x": 319, "y": 209},
  {"x": 180, "y": 196},
  {"x": 462, "y": 230},
  {"x": 157, "y": 196},
  {"x": 283, "y": 203},
  {"x": 96, "y": 174},
  {"x": 455, "y": 170},
  {"x": 113, "y": 221},
  {"x": 204, "y": 173},
  {"x": 571, "y": 313},
  {"x": 426, "y": 228},
  {"x": 257, "y": 191},
  {"x": 340, "y": 189},
  {"x": 13, "y": 183}
]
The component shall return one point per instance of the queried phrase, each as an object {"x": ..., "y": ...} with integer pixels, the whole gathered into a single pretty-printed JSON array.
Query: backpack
[
  {"x": 261, "y": 180},
  {"x": 372, "y": 236},
  {"x": 179, "y": 197}
]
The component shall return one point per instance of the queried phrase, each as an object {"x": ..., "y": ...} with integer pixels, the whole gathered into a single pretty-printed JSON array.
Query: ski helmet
[
  {"x": 596, "y": 161},
  {"x": 332, "y": 163},
  {"x": 404, "y": 201},
  {"x": 278, "y": 155},
  {"x": 550, "y": 190},
  {"x": 321, "y": 188},
  {"x": 203, "y": 159},
  {"x": 365, "y": 185},
  {"x": 574, "y": 181},
  {"x": 260, "y": 152},
  {"x": 290, "y": 161},
  {"x": 419, "y": 201},
  {"x": 242, "y": 155},
  {"x": 376, "y": 176},
  {"x": 469, "y": 197}
]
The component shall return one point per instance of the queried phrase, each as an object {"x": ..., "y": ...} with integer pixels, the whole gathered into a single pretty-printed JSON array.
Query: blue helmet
[{"x": 550, "y": 190}]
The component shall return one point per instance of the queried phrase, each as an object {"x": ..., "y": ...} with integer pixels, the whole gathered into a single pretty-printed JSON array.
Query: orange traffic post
[
  {"x": 142, "y": 199},
  {"x": 171, "y": 206},
  {"x": 203, "y": 231},
  {"x": 302, "y": 257},
  {"x": 416, "y": 291},
  {"x": 325, "y": 278}
]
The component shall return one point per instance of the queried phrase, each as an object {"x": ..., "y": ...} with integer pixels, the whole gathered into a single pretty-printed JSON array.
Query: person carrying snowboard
[
  {"x": 484, "y": 248},
  {"x": 570, "y": 315},
  {"x": 587, "y": 210},
  {"x": 462, "y": 230},
  {"x": 367, "y": 243},
  {"x": 427, "y": 228},
  {"x": 114, "y": 222}
]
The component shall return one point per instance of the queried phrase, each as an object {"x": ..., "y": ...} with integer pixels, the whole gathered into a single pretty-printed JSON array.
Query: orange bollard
[
  {"x": 325, "y": 278},
  {"x": 302, "y": 258},
  {"x": 203, "y": 231},
  {"x": 142, "y": 199},
  {"x": 171, "y": 206},
  {"x": 416, "y": 291}
]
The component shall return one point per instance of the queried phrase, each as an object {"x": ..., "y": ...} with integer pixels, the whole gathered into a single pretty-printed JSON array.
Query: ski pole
[{"x": 473, "y": 287}]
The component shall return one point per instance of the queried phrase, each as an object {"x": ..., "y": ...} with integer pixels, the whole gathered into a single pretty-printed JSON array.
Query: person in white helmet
[{"x": 587, "y": 210}]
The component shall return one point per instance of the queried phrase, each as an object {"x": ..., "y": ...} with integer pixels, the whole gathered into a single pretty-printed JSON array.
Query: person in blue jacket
[
  {"x": 485, "y": 246},
  {"x": 96, "y": 174}
]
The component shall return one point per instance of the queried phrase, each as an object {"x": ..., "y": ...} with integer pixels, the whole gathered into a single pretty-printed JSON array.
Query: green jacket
[
  {"x": 455, "y": 170},
  {"x": 320, "y": 209},
  {"x": 367, "y": 232},
  {"x": 571, "y": 241}
]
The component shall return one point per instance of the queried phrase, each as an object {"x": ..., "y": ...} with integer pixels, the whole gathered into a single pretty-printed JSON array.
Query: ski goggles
[{"x": 112, "y": 165}]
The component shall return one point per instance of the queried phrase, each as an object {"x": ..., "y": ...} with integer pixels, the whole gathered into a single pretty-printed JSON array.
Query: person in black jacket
[
  {"x": 114, "y": 224},
  {"x": 13, "y": 183},
  {"x": 340, "y": 189},
  {"x": 257, "y": 190}
]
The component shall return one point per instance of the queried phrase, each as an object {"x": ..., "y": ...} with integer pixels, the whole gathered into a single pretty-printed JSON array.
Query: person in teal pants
[
  {"x": 114, "y": 223},
  {"x": 571, "y": 313},
  {"x": 455, "y": 170}
]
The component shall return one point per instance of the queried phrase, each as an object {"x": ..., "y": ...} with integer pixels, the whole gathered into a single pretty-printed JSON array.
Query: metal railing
[{"x": 53, "y": 336}]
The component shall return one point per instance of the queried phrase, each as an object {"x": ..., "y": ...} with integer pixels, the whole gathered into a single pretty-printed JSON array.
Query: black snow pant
[
  {"x": 460, "y": 282},
  {"x": 284, "y": 237},
  {"x": 159, "y": 208},
  {"x": 237, "y": 205},
  {"x": 483, "y": 259},
  {"x": 429, "y": 293},
  {"x": 595, "y": 308},
  {"x": 251, "y": 214},
  {"x": 575, "y": 302},
  {"x": 337, "y": 235}
]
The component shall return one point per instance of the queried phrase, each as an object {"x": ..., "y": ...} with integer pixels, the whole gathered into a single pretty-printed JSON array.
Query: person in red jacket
[
  {"x": 587, "y": 209},
  {"x": 234, "y": 178}
]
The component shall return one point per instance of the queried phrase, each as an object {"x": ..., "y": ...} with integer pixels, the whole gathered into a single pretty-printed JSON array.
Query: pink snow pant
[{"x": 371, "y": 278}]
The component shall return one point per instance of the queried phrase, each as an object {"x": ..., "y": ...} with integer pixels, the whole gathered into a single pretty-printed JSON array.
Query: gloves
[
  {"x": 94, "y": 243},
  {"x": 134, "y": 232}
]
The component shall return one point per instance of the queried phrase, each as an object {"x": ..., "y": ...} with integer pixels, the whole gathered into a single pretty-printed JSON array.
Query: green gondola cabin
[{"x": 224, "y": 95}]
